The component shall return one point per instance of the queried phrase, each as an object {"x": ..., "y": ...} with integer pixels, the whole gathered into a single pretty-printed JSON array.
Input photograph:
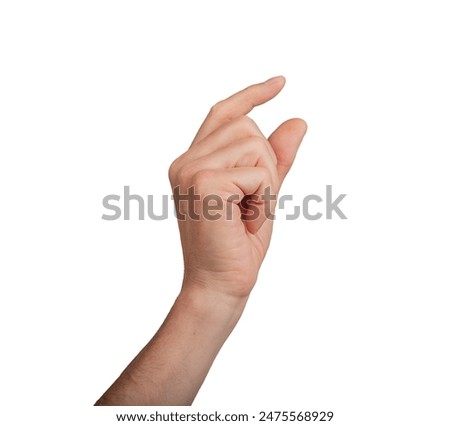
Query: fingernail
[{"x": 274, "y": 79}]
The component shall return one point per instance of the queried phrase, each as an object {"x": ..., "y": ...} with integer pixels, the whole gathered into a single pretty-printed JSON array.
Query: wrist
[
  {"x": 210, "y": 306},
  {"x": 232, "y": 286}
]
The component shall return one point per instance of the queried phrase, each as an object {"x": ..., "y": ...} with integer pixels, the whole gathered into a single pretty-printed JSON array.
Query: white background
[{"x": 350, "y": 316}]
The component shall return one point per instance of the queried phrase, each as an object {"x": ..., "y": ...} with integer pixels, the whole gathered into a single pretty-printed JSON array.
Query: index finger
[{"x": 241, "y": 103}]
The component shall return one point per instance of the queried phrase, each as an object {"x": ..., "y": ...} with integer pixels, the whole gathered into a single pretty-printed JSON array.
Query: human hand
[
  {"x": 229, "y": 157},
  {"x": 223, "y": 248}
]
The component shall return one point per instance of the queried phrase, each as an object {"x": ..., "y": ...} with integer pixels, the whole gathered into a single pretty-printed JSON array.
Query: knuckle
[
  {"x": 267, "y": 178},
  {"x": 184, "y": 173},
  {"x": 173, "y": 169},
  {"x": 246, "y": 122},
  {"x": 262, "y": 146},
  {"x": 202, "y": 178},
  {"x": 255, "y": 144},
  {"x": 267, "y": 175},
  {"x": 217, "y": 109}
]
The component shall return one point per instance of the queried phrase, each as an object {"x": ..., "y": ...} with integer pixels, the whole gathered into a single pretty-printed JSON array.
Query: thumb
[{"x": 285, "y": 141}]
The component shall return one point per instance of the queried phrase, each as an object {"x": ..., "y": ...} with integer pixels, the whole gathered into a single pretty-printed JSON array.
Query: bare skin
[{"x": 228, "y": 157}]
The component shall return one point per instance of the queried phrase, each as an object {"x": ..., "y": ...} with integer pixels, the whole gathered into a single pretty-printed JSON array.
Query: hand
[{"x": 230, "y": 157}]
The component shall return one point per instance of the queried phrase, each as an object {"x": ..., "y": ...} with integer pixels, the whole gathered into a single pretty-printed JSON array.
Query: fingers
[
  {"x": 229, "y": 153},
  {"x": 285, "y": 141},
  {"x": 244, "y": 188},
  {"x": 248, "y": 152},
  {"x": 251, "y": 187},
  {"x": 239, "y": 104},
  {"x": 236, "y": 131},
  {"x": 241, "y": 181}
]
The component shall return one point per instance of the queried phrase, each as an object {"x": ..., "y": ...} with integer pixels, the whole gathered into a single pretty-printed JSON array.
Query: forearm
[{"x": 173, "y": 365}]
